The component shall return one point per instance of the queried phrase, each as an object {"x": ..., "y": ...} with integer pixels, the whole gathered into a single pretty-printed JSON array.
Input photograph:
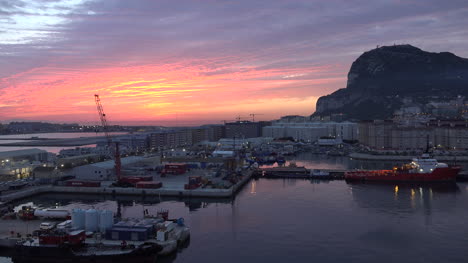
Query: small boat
[{"x": 319, "y": 174}]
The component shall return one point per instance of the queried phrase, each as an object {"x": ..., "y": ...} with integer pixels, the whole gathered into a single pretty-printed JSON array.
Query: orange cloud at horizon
[{"x": 161, "y": 93}]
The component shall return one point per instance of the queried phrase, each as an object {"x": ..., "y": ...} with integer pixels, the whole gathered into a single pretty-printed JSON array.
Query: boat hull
[
  {"x": 446, "y": 174},
  {"x": 43, "y": 254}
]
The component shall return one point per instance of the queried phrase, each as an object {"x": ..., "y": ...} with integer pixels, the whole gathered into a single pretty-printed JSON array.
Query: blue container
[{"x": 129, "y": 234}]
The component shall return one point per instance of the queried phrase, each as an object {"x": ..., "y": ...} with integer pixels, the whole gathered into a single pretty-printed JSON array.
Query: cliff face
[{"x": 380, "y": 79}]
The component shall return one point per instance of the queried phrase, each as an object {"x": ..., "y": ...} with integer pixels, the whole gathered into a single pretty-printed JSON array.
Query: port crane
[{"x": 105, "y": 127}]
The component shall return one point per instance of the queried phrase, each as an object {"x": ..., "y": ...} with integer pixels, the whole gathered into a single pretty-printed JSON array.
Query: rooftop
[
  {"x": 125, "y": 161},
  {"x": 17, "y": 153}
]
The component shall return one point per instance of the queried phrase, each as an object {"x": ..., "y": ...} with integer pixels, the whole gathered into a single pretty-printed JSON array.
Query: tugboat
[
  {"x": 60, "y": 246},
  {"x": 421, "y": 170}
]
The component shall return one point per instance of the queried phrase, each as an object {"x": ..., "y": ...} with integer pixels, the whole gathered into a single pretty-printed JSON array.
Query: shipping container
[
  {"x": 133, "y": 234},
  {"x": 191, "y": 186},
  {"x": 174, "y": 168},
  {"x": 136, "y": 179}
]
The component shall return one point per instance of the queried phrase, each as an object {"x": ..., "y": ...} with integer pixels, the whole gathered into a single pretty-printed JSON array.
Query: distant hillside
[{"x": 380, "y": 79}]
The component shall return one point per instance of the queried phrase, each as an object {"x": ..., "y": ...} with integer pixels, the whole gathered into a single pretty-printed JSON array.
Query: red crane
[{"x": 105, "y": 127}]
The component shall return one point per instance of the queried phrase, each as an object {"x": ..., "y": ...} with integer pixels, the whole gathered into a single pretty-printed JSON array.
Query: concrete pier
[
  {"x": 372, "y": 157},
  {"x": 168, "y": 189}
]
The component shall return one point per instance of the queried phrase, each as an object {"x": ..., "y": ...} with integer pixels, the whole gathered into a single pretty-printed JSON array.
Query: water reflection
[{"x": 401, "y": 198}]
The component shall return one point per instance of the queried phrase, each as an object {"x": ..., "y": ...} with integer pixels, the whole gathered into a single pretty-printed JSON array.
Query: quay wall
[
  {"x": 365, "y": 156},
  {"x": 179, "y": 192}
]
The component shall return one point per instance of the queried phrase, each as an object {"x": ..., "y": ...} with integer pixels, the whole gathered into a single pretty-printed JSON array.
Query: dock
[
  {"x": 169, "y": 189},
  {"x": 299, "y": 172}
]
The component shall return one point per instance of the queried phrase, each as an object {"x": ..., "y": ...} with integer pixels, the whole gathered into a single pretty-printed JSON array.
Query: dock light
[{"x": 396, "y": 188}]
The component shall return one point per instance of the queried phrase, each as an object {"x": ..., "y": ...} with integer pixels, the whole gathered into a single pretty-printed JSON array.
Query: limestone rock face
[{"x": 381, "y": 78}]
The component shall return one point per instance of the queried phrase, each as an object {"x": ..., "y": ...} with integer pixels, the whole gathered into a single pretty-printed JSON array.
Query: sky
[{"x": 179, "y": 62}]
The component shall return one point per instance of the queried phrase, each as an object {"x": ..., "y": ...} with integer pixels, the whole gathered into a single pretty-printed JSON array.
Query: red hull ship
[{"x": 420, "y": 170}]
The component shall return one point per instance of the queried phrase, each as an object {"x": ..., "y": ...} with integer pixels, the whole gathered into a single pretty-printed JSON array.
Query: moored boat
[
  {"x": 421, "y": 170},
  {"x": 60, "y": 246}
]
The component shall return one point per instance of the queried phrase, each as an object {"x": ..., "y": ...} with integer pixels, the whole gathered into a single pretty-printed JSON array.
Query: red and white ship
[{"x": 423, "y": 169}]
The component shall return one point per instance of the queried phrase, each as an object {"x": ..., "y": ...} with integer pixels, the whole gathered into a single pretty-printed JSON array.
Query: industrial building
[
  {"x": 20, "y": 163},
  {"x": 78, "y": 160},
  {"x": 103, "y": 171}
]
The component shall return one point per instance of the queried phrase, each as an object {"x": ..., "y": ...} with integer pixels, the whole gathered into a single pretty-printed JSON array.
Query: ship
[
  {"x": 421, "y": 170},
  {"x": 61, "y": 246}
]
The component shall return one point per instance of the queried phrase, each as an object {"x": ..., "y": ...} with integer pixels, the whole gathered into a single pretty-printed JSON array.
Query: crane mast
[
  {"x": 102, "y": 116},
  {"x": 105, "y": 127}
]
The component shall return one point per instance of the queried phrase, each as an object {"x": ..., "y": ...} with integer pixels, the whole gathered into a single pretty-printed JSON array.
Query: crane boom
[
  {"x": 105, "y": 126},
  {"x": 102, "y": 116}
]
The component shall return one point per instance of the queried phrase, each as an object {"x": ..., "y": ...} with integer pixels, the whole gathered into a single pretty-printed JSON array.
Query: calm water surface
[
  {"x": 56, "y": 135},
  {"x": 14, "y": 138},
  {"x": 299, "y": 221}
]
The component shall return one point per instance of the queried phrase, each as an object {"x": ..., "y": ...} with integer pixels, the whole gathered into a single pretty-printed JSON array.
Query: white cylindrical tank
[
  {"x": 91, "y": 220},
  {"x": 78, "y": 218},
  {"x": 51, "y": 213},
  {"x": 106, "y": 220}
]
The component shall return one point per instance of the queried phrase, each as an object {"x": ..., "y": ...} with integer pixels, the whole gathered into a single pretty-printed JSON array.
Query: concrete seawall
[{"x": 201, "y": 192}]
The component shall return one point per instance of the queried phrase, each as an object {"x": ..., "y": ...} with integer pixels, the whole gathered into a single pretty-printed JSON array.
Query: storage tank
[
  {"x": 78, "y": 218},
  {"x": 52, "y": 213},
  {"x": 106, "y": 220},
  {"x": 91, "y": 220}
]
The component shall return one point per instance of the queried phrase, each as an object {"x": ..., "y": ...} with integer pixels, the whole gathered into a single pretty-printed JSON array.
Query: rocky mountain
[{"x": 380, "y": 80}]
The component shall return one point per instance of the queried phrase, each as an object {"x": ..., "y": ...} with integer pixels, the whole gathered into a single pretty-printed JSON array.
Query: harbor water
[
  {"x": 16, "y": 138},
  {"x": 294, "y": 220}
]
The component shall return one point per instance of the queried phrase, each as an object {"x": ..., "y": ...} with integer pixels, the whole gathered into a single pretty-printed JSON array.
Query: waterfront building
[
  {"x": 171, "y": 139},
  {"x": 311, "y": 131},
  {"x": 215, "y": 132},
  {"x": 442, "y": 134},
  {"x": 199, "y": 134},
  {"x": 245, "y": 129},
  {"x": 182, "y": 137},
  {"x": 134, "y": 142},
  {"x": 228, "y": 144}
]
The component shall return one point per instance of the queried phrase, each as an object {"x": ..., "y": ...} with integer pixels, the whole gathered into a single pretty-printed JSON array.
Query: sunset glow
[{"x": 154, "y": 63}]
